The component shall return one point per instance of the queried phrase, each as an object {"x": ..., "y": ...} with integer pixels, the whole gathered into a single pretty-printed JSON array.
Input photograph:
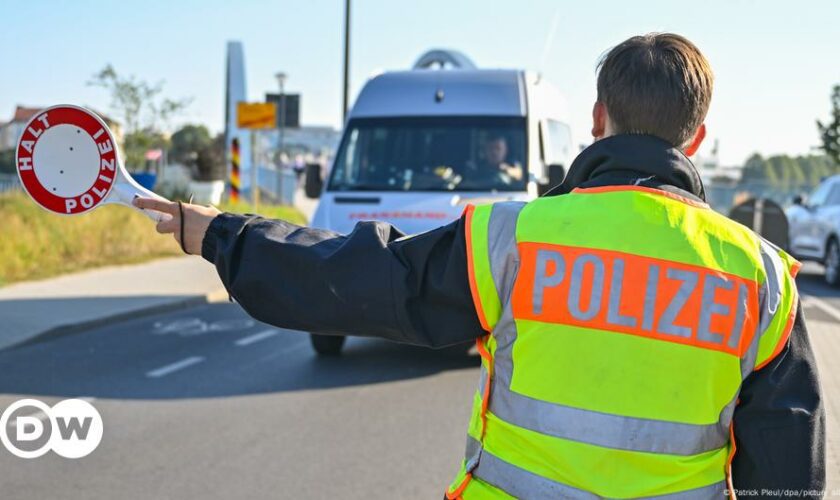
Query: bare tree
[{"x": 145, "y": 114}]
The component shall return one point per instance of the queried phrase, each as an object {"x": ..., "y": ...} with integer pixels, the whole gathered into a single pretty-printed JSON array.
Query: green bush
[{"x": 7, "y": 161}]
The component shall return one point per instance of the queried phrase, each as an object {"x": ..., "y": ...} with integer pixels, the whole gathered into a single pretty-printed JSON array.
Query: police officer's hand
[{"x": 197, "y": 219}]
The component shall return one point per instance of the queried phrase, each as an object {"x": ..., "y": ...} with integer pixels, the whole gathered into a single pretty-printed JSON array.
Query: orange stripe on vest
[{"x": 630, "y": 294}]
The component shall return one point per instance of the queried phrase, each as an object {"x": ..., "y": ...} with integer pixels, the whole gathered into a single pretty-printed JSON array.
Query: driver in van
[{"x": 494, "y": 155}]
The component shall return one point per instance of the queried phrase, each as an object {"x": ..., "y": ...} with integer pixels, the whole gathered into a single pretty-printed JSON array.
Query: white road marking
[
  {"x": 43, "y": 416},
  {"x": 250, "y": 339},
  {"x": 823, "y": 306},
  {"x": 174, "y": 367}
]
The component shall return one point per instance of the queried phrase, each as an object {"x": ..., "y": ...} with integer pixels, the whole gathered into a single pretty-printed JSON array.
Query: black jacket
[{"x": 377, "y": 282}]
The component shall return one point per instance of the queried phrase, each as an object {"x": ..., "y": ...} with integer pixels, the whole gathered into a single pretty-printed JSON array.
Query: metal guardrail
[
  {"x": 9, "y": 182},
  {"x": 279, "y": 185}
]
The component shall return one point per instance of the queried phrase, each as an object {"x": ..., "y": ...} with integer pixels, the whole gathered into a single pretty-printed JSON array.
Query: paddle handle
[{"x": 127, "y": 189}]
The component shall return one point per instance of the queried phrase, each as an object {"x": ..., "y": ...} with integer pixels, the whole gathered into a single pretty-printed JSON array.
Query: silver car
[{"x": 815, "y": 228}]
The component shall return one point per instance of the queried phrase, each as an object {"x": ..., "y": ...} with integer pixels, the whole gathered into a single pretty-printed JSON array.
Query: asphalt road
[{"x": 206, "y": 403}]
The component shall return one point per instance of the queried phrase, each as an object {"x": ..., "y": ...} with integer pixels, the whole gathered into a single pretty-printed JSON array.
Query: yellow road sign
[{"x": 256, "y": 115}]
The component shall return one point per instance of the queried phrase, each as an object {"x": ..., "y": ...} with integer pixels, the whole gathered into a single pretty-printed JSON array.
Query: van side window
[
  {"x": 559, "y": 147},
  {"x": 541, "y": 136},
  {"x": 352, "y": 152}
]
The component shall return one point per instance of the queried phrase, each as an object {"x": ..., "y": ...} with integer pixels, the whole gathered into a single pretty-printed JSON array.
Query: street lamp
[
  {"x": 281, "y": 82},
  {"x": 346, "y": 84}
]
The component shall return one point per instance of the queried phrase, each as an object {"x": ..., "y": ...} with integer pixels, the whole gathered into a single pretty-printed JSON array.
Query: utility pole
[
  {"x": 345, "y": 103},
  {"x": 281, "y": 82},
  {"x": 255, "y": 174}
]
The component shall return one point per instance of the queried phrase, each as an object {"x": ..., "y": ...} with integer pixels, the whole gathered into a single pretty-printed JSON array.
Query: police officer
[{"x": 634, "y": 343}]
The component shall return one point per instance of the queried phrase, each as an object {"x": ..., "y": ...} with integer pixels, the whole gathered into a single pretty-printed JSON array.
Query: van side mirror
[
  {"x": 799, "y": 200},
  {"x": 313, "y": 183}
]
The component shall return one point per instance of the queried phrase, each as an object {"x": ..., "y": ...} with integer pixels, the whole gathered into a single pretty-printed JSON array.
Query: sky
[{"x": 774, "y": 61}]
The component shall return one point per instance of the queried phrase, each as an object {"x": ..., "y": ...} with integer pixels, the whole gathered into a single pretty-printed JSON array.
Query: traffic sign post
[
  {"x": 68, "y": 163},
  {"x": 255, "y": 116}
]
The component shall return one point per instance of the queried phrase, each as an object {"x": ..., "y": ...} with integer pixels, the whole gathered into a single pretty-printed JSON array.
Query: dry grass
[
  {"x": 35, "y": 244},
  {"x": 268, "y": 211}
]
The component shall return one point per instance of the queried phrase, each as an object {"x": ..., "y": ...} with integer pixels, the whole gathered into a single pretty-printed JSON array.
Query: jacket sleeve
[
  {"x": 779, "y": 424},
  {"x": 374, "y": 282}
]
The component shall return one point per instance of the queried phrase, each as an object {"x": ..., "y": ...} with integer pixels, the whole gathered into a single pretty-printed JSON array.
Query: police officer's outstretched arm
[
  {"x": 373, "y": 282},
  {"x": 779, "y": 424}
]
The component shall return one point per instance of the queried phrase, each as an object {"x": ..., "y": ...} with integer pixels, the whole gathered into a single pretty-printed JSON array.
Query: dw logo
[{"x": 71, "y": 428}]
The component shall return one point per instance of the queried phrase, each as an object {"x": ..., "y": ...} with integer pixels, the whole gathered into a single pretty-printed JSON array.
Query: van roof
[{"x": 457, "y": 92}]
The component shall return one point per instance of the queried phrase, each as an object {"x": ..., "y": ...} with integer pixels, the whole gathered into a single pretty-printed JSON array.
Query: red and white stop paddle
[{"x": 68, "y": 163}]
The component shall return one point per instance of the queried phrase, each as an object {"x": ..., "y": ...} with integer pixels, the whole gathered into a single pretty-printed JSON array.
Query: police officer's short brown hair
[{"x": 659, "y": 84}]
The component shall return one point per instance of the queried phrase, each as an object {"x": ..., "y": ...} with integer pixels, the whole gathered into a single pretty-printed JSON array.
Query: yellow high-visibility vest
[{"x": 621, "y": 323}]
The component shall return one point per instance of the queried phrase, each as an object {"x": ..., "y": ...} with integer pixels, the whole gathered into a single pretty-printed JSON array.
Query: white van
[{"x": 419, "y": 145}]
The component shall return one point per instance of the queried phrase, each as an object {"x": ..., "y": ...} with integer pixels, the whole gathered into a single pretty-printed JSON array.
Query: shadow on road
[
  {"x": 115, "y": 361},
  {"x": 20, "y": 319}
]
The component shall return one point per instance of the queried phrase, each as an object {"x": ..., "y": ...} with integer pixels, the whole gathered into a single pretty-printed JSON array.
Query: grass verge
[
  {"x": 282, "y": 212},
  {"x": 36, "y": 244}
]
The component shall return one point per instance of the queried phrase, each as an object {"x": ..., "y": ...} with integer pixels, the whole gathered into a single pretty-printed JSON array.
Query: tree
[
  {"x": 193, "y": 147},
  {"x": 815, "y": 168},
  {"x": 144, "y": 112},
  {"x": 830, "y": 131},
  {"x": 757, "y": 169},
  {"x": 137, "y": 143},
  {"x": 7, "y": 162},
  {"x": 789, "y": 172},
  {"x": 187, "y": 142},
  {"x": 210, "y": 161}
]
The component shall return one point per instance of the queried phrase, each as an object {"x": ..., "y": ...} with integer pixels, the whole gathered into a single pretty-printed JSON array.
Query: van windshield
[{"x": 432, "y": 154}]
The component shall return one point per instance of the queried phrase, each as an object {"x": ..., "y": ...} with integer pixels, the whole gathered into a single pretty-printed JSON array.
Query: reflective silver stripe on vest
[
  {"x": 591, "y": 427},
  {"x": 748, "y": 361},
  {"x": 603, "y": 429},
  {"x": 483, "y": 380},
  {"x": 473, "y": 451},
  {"x": 769, "y": 300},
  {"x": 501, "y": 246},
  {"x": 526, "y": 485},
  {"x": 773, "y": 269}
]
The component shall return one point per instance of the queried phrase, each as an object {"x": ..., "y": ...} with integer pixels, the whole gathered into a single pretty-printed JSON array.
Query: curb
[{"x": 219, "y": 295}]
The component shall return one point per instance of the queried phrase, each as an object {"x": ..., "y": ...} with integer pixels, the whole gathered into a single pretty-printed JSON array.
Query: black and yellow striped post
[{"x": 235, "y": 182}]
